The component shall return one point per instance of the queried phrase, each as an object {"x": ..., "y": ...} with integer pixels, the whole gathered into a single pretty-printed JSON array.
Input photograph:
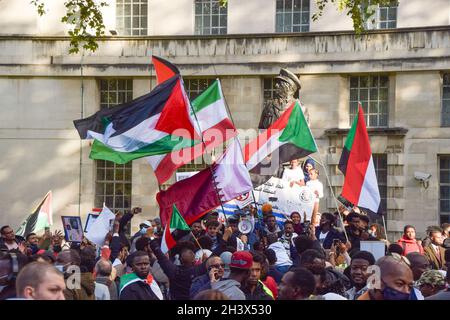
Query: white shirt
[
  {"x": 322, "y": 236},
  {"x": 293, "y": 174},
  {"x": 282, "y": 257},
  {"x": 316, "y": 185}
]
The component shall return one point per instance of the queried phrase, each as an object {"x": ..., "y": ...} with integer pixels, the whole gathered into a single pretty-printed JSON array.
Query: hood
[
  {"x": 87, "y": 282},
  {"x": 406, "y": 240},
  {"x": 277, "y": 246},
  {"x": 226, "y": 284}
]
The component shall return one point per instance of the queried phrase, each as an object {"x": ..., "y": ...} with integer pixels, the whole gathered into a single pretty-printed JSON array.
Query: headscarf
[{"x": 305, "y": 171}]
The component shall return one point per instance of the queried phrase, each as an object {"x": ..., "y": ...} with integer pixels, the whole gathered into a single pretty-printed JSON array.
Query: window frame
[
  {"x": 305, "y": 10},
  {"x": 443, "y": 184},
  {"x": 200, "y": 18},
  {"x": 129, "y": 29},
  {"x": 445, "y": 119}
]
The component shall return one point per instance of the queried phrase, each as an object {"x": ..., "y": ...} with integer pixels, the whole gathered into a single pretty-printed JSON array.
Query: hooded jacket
[
  {"x": 283, "y": 258},
  {"x": 229, "y": 287},
  {"x": 409, "y": 245},
  {"x": 87, "y": 290}
]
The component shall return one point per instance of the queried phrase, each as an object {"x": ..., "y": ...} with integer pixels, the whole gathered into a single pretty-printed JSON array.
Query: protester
[
  {"x": 307, "y": 166},
  {"x": 139, "y": 285},
  {"x": 326, "y": 233},
  {"x": 419, "y": 264},
  {"x": 444, "y": 294},
  {"x": 212, "y": 231},
  {"x": 9, "y": 239},
  {"x": 294, "y": 174},
  {"x": 104, "y": 275},
  {"x": 296, "y": 220},
  {"x": 272, "y": 227},
  {"x": 408, "y": 241},
  {"x": 241, "y": 262},
  {"x": 431, "y": 282},
  {"x": 11, "y": 263},
  {"x": 297, "y": 284},
  {"x": 288, "y": 236},
  {"x": 359, "y": 274},
  {"x": 216, "y": 269},
  {"x": 283, "y": 262},
  {"x": 253, "y": 288},
  {"x": 272, "y": 270},
  {"x": 40, "y": 281},
  {"x": 396, "y": 280},
  {"x": 32, "y": 243},
  {"x": 226, "y": 260},
  {"x": 316, "y": 188},
  {"x": 434, "y": 252}
]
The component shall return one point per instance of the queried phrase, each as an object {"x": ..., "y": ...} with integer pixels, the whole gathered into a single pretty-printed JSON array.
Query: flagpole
[
  {"x": 234, "y": 125},
  {"x": 385, "y": 227},
  {"x": 204, "y": 145},
  {"x": 329, "y": 183},
  {"x": 81, "y": 141}
]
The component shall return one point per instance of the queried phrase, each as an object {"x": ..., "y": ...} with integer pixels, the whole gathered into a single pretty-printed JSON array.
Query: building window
[
  {"x": 292, "y": 16},
  {"x": 195, "y": 87},
  {"x": 113, "y": 185},
  {"x": 115, "y": 91},
  {"x": 444, "y": 186},
  {"x": 268, "y": 88},
  {"x": 113, "y": 181},
  {"x": 383, "y": 17},
  {"x": 380, "y": 164},
  {"x": 131, "y": 17},
  {"x": 372, "y": 92},
  {"x": 210, "y": 17},
  {"x": 446, "y": 101}
]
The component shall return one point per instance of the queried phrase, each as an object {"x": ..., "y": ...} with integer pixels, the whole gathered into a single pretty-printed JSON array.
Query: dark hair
[
  {"x": 434, "y": 229},
  {"x": 364, "y": 218},
  {"x": 182, "y": 246},
  {"x": 2, "y": 230},
  {"x": 135, "y": 255},
  {"x": 395, "y": 248},
  {"x": 309, "y": 255},
  {"x": 205, "y": 242},
  {"x": 330, "y": 217},
  {"x": 46, "y": 256},
  {"x": 288, "y": 222},
  {"x": 258, "y": 257},
  {"x": 303, "y": 243},
  {"x": 29, "y": 235},
  {"x": 211, "y": 295},
  {"x": 447, "y": 257},
  {"x": 142, "y": 243},
  {"x": 352, "y": 215},
  {"x": 257, "y": 245},
  {"x": 303, "y": 279},
  {"x": 212, "y": 223},
  {"x": 364, "y": 255},
  {"x": 238, "y": 271},
  {"x": 87, "y": 259},
  {"x": 270, "y": 216},
  {"x": 295, "y": 212},
  {"x": 230, "y": 249},
  {"x": 407, "y": 227},
  {"x": 271, "y": 255}
]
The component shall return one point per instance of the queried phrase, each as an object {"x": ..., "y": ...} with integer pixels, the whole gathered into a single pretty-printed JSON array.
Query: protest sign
[
  {"x": 73, "y": 229},
  {"x": 100, "y": 227},
  {"x": 377, "y": 248}
]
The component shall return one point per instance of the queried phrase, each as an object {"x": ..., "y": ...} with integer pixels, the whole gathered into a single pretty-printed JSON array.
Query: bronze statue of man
[{"x": 287, "y": 87}]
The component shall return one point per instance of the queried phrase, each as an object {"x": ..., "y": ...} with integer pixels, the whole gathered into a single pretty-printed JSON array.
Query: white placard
[
  {"x": 285, "y": 198},
  {"x": 377, "y": 248}
]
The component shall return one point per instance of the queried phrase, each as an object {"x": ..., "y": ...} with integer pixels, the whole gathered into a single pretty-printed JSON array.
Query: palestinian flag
[
  {"x": 41, "y": 218},
  {"x": 164, "y": 69},
  {"x": 356, "y": 163},
  {"x": 286, "y": 139},
  {"x": 176, "y": 228},
  {"x": 156, "y": 123},
  {"x": 210, "y": 110}
]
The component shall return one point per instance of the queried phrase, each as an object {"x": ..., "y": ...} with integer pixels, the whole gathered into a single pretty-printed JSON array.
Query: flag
[
  {"x": 215, "y": 125},
  {"x": 164, "y": 69},
  {"x": 356, "y": 163},
  {"x": 41, "y": 218},
  {"x": 195, "y": 196},
  {"x": 130, "y": 278},
  {"x": 286, "y": 139},
  {"x": 156, "y": 123},
  {"x": 176, "y": 228},
  {"x": 100, "y": 227}
]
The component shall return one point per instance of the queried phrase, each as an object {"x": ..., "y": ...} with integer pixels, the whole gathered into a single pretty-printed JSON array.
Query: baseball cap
[
  {"x": 145, "y": 223},
  {"x": 432, "y": 277},
  {"x": 241, "y": 260}
]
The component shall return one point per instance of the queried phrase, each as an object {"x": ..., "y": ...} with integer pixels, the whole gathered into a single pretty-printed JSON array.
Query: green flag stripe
[
  {"x": 351, "y": 134},
  {"x": 177, "y": 222},
  {"x": 165, "y": 145},
  {"x": 208, "y": 97},
  {"x": 297, "y": 131}
]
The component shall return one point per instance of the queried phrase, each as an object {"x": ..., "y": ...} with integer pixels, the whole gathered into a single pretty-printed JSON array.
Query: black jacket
[
  {"x": 180, "y": 277},
  {"x": 332, "y": 234},
  {"x": 258, "y": 294},
  {"x": 138, "y": 291}
]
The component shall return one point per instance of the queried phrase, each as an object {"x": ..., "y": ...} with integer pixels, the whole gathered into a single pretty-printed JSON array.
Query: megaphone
[{"x": 245, "y": 226}]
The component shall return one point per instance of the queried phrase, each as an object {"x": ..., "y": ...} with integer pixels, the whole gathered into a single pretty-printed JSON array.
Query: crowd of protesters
[{"x": 277, "y": 260}]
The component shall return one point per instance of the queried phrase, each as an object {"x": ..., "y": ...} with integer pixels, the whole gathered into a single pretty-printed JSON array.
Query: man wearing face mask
[
  {"x": 396, "y": 280},
  {"x": 143, "y": 227}
]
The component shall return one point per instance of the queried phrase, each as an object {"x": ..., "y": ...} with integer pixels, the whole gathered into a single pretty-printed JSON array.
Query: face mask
[
  {"x": 143, "y": 230},
  {"x": 57, "y": 248},
  {"x": 372, "y": 233},
  {"x": 392, "y": 294},
  {"x": 155, "y": 229}
]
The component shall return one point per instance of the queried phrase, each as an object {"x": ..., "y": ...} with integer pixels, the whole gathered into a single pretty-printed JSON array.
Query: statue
[{"x": 287, "y": 87}]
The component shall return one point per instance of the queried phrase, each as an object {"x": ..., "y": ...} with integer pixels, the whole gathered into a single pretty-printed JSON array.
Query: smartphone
[{"x": 336, "y": 242}]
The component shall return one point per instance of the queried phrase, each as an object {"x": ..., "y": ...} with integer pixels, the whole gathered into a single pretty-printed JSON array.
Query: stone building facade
[{"x": 399, "y": 69}]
